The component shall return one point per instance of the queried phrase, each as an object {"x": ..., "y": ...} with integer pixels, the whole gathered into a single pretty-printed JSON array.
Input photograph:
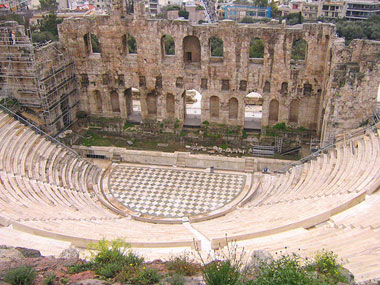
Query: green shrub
[
  {"x": 325, "y": 263},
  {"x": 221, "y": 273},
  {"x": 182, "y": 265},
  {"x": 223, "y": 146},
  {"x": 49, "y": 280},
  {"x": 128, "y": 125},
  {"x": 206, "y": 123},
  {"x": 148, "y": 276},
  {"x": 280, "y": 126},
  {"x": 20, "y": 276},
  {"x": 110, "y": 270},
  {"x": 76, "y": 268},
  {"x": 285, "y": 270}
]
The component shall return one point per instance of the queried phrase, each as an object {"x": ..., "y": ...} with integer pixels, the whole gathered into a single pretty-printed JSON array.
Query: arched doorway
[
  {"x": 115, "y": 104},
  {"x": 233, "y": 108},
  {"x": 193, "y": 108},
  {"x": 133, "y": 104},
  {"x": 170, "y": 105},
  {"x": 293, "y": 111},
  {"x": 214, "y": 107},
  {"x": 191, "y": 50},
  {"x": 253, "y": 111}
]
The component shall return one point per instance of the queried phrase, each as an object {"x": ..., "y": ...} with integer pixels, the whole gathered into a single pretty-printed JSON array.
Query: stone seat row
[
  {"x": 25, "y": 153},
  {"x": 42, "y": 180},
  {"x": 305, "y": 196},
  {"x": 357, "y": 246}
]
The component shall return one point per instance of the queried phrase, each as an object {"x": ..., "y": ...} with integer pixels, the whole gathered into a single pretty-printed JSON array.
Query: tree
[
  {"x": 261, "y": 3},
  {"x": 48, "y": 5},
  {"x": 216, "y": 46},
  {"x": 48, "y": 29}
]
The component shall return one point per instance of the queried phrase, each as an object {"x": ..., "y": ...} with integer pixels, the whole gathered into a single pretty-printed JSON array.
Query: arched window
[
  {"x": 273, "y": 111},
  {"x": 115, "y": 102},
  {"x": 284, "y": 88},
  {"x": 168, "y": 45},
  {"x": 293, "y": 111},
  {"x": 132, "y": 44},
  {"x": 170, "y": 106},
  {"x": 266, "y": 88},
  {"x": 216, "y": 46},
  {"x": 256, "y": 48},
  {"x": 233, "y": 108},
  {"x": 214, "y": 107},
  {"x": 191, "y": 49},
  {"x": 299, "y": 49}
]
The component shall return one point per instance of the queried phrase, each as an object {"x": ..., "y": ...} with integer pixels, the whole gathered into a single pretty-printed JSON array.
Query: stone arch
[
  {"x": 253, "y": 108},
  {"x": 124, "y": 43},
  {"x": 151, "y": 102},
  {"x": 299, "y": 50},
  {"x": 284, "y": 88},
  {"x": 167, "y": 45},
  {"x": 132, "y": 44},
  {"x": 170, "y": 105},
  {"x": 192, "y": 101},
  {"x": 191, "y": 49},
  {"x": 216, "y": 46},
  {"x": 256, "y": 48},
  {"x": 115, "y": 104},
  {"x": 214, "y": 107},
  {"x": 266, "y": 88},
  {"x": 294, "y": 111},
  {"x": 233, "y": 108},
  {"x": 133, "y": 104},
  {"x": 273, "y": 111},
  {"x": 98, "y": 101}
]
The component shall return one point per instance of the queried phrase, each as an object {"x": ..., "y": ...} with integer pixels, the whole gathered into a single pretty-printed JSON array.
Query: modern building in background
[{"x": 238, "y": 12}]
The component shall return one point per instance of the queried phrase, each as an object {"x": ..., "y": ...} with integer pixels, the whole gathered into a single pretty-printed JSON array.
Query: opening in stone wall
[
  {"x": 151, "y": 104},
  {"x": 253, "y": 111},
  {"x": 170, "y": 105},
  {"x": 214, "y": 107},
  {"x": 115, "y": 104},
  {"x": 133, "y": 104},
  {"x": 193, "y": 108},
  {"x": 293, "y": 111},
  {"x": 132, "y": 45},
  {"x": 98, "y": 101},
  {"x": 299, "y": 50},
  {"x": 95, "y": 44},
  {"x": 273, "y": 111},
  {"x": 168, "y": 45},
  {"x": 216, "y": 46},
  {"x": 256, "y": 48},
  {"x": 191, "y": 50},
  {"x": 378, "y": 95},
  {"x": 284, "y": 88},
  {"x": 233, "y": 108}
]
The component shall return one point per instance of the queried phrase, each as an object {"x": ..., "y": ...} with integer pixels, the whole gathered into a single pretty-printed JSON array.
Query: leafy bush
[
  {"x": 285, "y": 270},
  {"x": 280, "y": 126},
  {"x": 182, "y": 265},
  {"x": 173, "y": 7},
  {"x": 76, "y": 268},
  {"x": 326, "y": 265},
  {"x": 109, "y": 270},
  {"x": 113, "y": 257},
  {"x": 148, "y": 276},
  {"x": 20, "y": 276},
  {"x": 221, "y": 273}
]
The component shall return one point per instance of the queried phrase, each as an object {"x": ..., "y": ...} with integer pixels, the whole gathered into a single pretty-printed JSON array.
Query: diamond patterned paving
[{"x": 167, "y": 192}]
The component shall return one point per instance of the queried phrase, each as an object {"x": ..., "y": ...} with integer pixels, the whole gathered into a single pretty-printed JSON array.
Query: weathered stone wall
[
  {"x": 352, "y": 86},
  {"x": 311, "y": 83}
]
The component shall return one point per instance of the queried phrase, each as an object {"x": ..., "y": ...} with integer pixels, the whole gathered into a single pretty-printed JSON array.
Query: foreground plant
[{"x": 20, "y": 276}]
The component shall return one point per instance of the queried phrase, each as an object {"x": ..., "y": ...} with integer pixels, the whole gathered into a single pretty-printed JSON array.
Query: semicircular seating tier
[{"x": 47, "y": 190}]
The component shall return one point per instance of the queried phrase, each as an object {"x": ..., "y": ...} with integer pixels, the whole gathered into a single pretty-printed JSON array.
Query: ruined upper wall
[
  {"x": 353, "y": 84},
  {"x": 241, "y": 74}
]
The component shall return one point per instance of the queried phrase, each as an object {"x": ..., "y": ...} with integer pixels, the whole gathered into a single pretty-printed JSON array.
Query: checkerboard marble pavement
[{"x": 174, "y": 193}]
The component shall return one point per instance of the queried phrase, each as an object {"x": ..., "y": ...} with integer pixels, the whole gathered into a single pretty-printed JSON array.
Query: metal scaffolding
[{"x": 41, "y": 77}]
